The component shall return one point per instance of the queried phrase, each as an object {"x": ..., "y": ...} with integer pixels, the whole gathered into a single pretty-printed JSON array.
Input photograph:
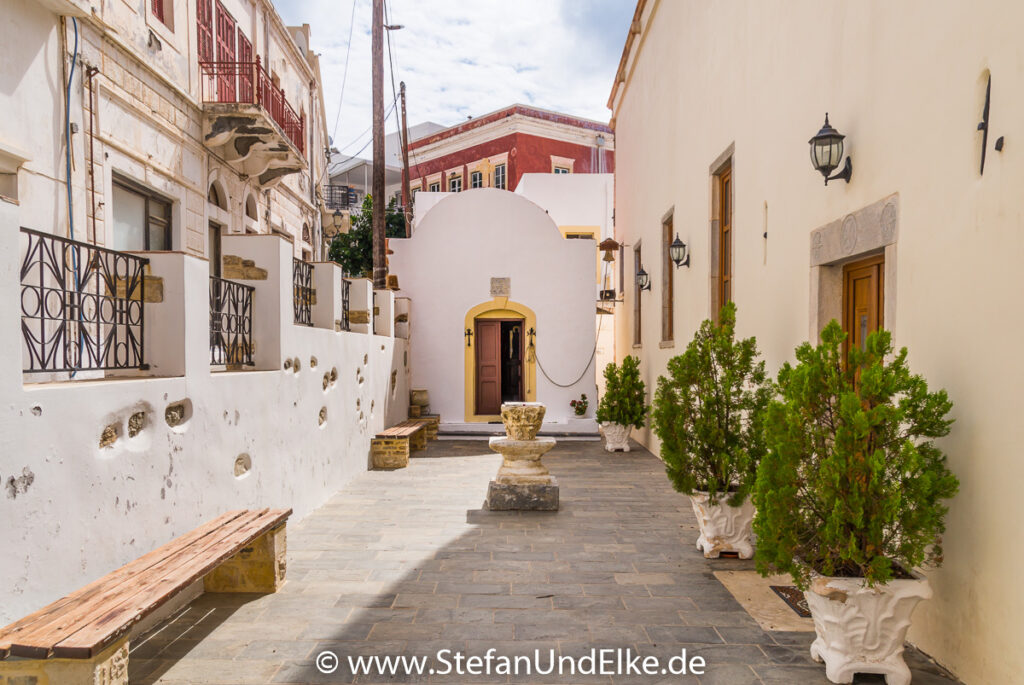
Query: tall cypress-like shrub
[
  {"x": 623, "y": 398},
  {"x": 853, "y": 483},
  {"x": 707, "y": 413}
]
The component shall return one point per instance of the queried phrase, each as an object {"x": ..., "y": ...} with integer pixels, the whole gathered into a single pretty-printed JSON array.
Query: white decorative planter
[
  {"x": 723, "y": 528},
  {"x": 862, "y": 629},
  {"x": 616, "y": 437}
]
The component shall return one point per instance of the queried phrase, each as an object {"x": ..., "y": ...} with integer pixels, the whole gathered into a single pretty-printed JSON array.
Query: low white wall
[
  {"x": 73, "y": 511},
  {"x": 446, "y": 269}
]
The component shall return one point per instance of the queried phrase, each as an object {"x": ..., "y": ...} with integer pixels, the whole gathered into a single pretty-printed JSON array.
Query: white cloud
[{"x": 468, "y": 58}]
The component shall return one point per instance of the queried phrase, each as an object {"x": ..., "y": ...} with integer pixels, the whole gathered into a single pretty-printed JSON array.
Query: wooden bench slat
[
  {"x": 39, "y": 639},
  {"x": 124, "y": 574},
  {"x": 153, "y": 592},
  {"x": 401, "y": 430}
]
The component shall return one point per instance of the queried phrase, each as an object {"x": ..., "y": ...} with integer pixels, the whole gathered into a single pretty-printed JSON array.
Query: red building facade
[{"x": 495, "y": 150}]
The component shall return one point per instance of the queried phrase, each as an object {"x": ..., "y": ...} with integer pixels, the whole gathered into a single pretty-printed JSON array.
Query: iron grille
[
  {"x": 230, "y": 322},
  {"x": 346, "y": 323},
  {"x": 340, "y": 197},
  {"x": 302, "y": 286},
  {"x": 81, "y": 306}
]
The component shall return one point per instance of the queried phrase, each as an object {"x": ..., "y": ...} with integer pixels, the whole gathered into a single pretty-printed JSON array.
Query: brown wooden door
[
  {"x": 488, "y": 367},
  {"x": 863, "y": 296},
  {"x": 226, "y": 82}
]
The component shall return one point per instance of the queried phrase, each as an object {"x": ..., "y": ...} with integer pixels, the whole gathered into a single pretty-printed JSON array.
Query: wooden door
[
  {"x": 488, "y": 366},
  {"x": 204, "y": 24},
  {"x": 225, "y": 54},
  {"x": 725, "y": 256},
  {"x": 863, "y": 297}
]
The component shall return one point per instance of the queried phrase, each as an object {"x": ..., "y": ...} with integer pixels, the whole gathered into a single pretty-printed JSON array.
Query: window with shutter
[
  {"x": 204, "y": 24},
  {"x": 225, "y": 53},
  {"x": 245, "y": 93}
]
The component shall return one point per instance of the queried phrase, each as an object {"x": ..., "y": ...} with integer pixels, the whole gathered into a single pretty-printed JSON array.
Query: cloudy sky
[{"x": 462, "y": 59}]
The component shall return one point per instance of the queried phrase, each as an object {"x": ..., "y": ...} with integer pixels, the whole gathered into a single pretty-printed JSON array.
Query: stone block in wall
[{"x": 235, "y": 268}]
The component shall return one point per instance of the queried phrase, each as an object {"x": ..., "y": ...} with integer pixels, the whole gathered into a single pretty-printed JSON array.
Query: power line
[{"x": 344, "y": 75}]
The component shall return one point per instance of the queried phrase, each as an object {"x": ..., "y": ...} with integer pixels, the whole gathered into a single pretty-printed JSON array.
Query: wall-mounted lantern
[
  {"x": 643, "y": 281},
  {"x": 827, "y": 151},
  {"x": 469, "y": 337},
  {"x": 678, "y": 253}
]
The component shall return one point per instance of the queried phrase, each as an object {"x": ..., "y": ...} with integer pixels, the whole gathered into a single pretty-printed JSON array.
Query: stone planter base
[
  {"x": 616, "y": 437},
  {"x": 862, "y": 629},
  {"x": 723, "y": 528},
  {"x": 522, "y": 496}
]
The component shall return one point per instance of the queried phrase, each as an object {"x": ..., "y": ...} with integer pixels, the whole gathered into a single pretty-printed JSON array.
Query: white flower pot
[
  {"x": 723, "y": 528},
  {"x": 616, "y": 437},
  {"x": 862, "y": 629}
]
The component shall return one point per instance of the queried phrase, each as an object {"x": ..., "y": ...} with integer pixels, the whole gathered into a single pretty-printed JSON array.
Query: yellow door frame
[{"x": 498, "y": 308}]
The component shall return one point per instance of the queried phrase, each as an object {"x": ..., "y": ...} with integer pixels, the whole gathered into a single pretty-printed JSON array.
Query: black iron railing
[
  {"x": 302, "y": 286},
  {"x": 340, "y": 197},
  {"x": 346, "y": 323},
  {"x": 230, "y": 323},
  {"x": 81, "y": 306}
]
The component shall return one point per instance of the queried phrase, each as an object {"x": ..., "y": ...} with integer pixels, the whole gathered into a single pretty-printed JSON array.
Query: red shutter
[
  {"x": 158, "y": 10},
  {"x": 245, "y": 64},
  {"x": 225, "y": 53},
  {"x": 204, "y": 22}
]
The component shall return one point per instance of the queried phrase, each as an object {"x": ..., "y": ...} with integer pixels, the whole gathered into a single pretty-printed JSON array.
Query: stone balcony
[{"x": 248, "y": 122}]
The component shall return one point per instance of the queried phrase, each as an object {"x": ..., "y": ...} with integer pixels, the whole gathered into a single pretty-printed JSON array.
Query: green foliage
[
  {"x": 354, "y": 250},
  {"x": 623, "y": 398},
  {"x": 708, "y": 412},
  {"x": 853, "y": 483}
]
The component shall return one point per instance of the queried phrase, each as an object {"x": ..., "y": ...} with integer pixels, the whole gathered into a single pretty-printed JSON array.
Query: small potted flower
[
  {"x": 707, "y": 414},
  {"x": 622, "y": 406},
  {"x": 580, "y": 406},
  {"x": 850, "y": 497}
]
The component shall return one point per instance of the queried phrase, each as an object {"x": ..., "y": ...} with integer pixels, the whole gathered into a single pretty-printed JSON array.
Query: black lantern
[
  {"x": 827, "y": 150},
  {"x": 336, "y": 218},
  {"x": 643, "y": 281},
  {"x": 678, "y": 253}
]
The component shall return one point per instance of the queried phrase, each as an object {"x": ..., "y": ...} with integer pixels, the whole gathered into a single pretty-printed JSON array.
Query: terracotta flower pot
[
  {"x": 723, "y": 528},
  {"x": 862, "y": 629}
]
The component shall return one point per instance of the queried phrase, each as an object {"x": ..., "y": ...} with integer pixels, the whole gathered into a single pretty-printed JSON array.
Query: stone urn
[
  {"x": 616, "y": 437},
  {"x": 523, "y": 482},
  {"x": 862, "y": 629},
  {"x": 522, "y": 419},
  {"x": 723, "y": 528}
]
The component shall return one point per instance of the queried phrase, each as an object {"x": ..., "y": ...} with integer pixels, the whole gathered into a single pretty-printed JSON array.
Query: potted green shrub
[
  {"x": 707, "y": 413},
  {"x": 850, "y": 497},
  {"x": 622, "y": 406}
]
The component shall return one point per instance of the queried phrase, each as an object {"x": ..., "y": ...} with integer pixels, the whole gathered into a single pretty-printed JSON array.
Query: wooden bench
[
  {"x": 391, "y": 448},
  {"x": 83, "y": 638}
]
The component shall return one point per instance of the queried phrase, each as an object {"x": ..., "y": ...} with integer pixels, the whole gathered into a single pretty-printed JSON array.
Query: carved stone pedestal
[{"x": 523, "y": 482}]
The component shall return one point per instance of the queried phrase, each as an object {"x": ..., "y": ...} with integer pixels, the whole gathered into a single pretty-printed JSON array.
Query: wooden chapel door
[
  {"x": 863, "y": 293},
  {"x": 488, "y": 366}
]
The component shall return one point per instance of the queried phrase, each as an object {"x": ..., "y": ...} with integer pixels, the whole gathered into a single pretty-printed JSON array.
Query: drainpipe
[{"x": 90, "y": 72}]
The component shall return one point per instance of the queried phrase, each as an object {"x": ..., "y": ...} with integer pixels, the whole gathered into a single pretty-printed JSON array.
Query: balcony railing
[
  {"x": 248, "y": 83},
  {"x": 346, "y": 322},
  {"x": 230, "y": 323},
  {"x": 302, "y": 291},
  {"x": 81, "y": 306},
  {"x": 341, "y": 197}
]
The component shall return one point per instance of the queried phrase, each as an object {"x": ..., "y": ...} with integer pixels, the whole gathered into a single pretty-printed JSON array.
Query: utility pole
[
  {"x": 380, "y": 269},
  {"x": 406, "y": 197}
]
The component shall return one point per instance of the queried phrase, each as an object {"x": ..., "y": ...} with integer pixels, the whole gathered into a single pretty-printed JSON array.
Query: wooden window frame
[
  {"x": 723, "y": 244},
  {"x": 205, "y": 30},
  {"x": 667, "y": 281},
  {"x": 434, "y": 187},
  {"x": 849, "y": 314},
  {"x": 476, "y": 179},
  {"x": 503, "y": 169},
  {"x": 150, "y": 198},
  {"x": 452, "y": 181},
  {"x": 637, "y": 298}
]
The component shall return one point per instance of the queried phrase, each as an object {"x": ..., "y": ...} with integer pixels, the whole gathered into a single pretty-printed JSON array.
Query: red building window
[
  {"x": 225, "y": 53},
  {"x": 158, "y": 10},
  {"x": 245, "y": 93}
]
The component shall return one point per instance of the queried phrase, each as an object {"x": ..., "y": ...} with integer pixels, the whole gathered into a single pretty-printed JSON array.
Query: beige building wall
[{"x": 906, "y": 83}]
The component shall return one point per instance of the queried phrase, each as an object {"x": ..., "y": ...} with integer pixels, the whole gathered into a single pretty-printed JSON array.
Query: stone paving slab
[{"x": 407, "y": 563}]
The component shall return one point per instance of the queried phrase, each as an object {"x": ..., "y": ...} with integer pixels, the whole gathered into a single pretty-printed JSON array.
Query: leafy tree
[
  {"x": 853, "y": 482},
  {"x": 623, "y": 398},
  {"x": 354, "y": 250},
  {"x": 708, "y": 412}
]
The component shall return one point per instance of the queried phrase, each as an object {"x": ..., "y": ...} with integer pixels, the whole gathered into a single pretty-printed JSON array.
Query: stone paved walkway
[{"x": 405, "y": 562}]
